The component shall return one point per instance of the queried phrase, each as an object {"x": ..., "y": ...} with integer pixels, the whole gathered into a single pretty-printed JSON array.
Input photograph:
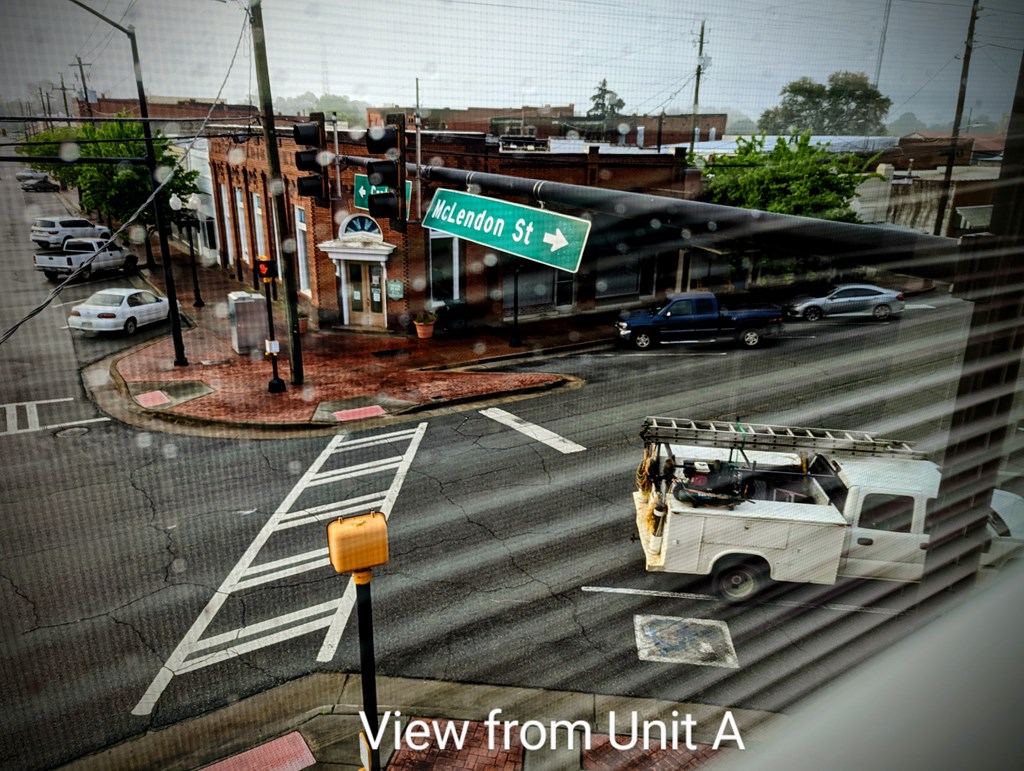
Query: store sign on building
[
  {"x": 396, "y": 289},
  {"x": 553, "y": 239}
]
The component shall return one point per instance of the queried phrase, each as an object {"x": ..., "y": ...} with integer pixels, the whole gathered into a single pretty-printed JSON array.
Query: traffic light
[
  {"x": 390, "y": 173},
  {"x": 316, "y": 160}
]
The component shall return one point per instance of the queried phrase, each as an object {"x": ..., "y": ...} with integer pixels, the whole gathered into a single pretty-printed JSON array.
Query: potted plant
[{"x": 424, "y": 322}]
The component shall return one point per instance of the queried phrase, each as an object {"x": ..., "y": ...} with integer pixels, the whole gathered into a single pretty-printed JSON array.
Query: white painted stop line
[{"x": 550, "y": 438}]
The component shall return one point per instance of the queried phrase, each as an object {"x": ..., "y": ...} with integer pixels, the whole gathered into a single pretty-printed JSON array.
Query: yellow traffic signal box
[{"x": 358, "y": 543}]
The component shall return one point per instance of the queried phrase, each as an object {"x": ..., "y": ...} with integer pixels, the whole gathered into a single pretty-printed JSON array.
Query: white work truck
[
  {"x": 93, "y": 253},
  {"x": 746, "y": 502}
]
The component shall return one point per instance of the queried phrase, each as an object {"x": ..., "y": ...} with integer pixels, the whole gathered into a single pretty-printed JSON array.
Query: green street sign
[
  {"x": 363, "y": 191},
  {"x": 536, "y": 234}
]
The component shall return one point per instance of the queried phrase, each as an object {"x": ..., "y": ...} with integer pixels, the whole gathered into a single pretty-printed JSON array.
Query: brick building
[
  {"x": 559, "y": 122},
  {"x": 355, "y": 271}
]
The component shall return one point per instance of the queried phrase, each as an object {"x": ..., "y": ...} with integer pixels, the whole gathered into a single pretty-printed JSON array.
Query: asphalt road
[{"x": 511, "y": 558}]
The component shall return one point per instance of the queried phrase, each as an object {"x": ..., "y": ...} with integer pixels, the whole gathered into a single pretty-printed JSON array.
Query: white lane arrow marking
[{"x": 556, "y": 239}]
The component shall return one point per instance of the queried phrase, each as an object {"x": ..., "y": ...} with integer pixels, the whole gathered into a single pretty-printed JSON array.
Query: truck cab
[{"x": 697, "y": 317}]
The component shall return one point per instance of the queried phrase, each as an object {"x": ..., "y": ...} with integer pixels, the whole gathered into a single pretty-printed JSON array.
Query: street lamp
[
  {"x": 189, "y": 221},
  {"x": 165, "y": 251}
]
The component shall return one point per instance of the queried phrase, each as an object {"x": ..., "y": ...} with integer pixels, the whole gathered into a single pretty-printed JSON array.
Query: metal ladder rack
[{"x": 760, "y": 436}]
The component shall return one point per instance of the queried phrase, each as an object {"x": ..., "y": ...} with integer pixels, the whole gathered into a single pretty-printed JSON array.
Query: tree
[
  {"x": 114, "y": 190},
  {"x": 795, "y": 177},
  {"x": 606, "y": 103},
  {"x": 906, "y": 124},
  {"x": 53, "y": 143},
  {"x": 347, "y": 109},
  {"x": 848, "y": 105},
  {"x": 118, "y": 190}
]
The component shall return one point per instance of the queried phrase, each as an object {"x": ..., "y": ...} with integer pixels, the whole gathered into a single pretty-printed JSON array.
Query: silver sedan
[
  {"x": 866, "y": 299},
  {"x": 113, "y": 310}
]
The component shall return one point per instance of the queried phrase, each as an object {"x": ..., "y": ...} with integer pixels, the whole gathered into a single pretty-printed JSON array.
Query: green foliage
[
  {"x": 117, "y": 190},
  {"x": 51, "y": 143},
  {"x": 795, "y": 177},
  {"x": 347, "y": 109},
  {"x": 606, "y": 103},
  {"x": 849, "y": 105}
]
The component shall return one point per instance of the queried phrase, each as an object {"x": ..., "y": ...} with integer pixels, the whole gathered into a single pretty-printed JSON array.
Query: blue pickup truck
[{"x": 697, "y": 317}]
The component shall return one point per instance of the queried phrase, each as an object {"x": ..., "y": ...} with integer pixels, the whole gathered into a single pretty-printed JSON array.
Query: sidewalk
[
  {"x": 348, "y": 374},
  {"x": 314, "y": 723}
]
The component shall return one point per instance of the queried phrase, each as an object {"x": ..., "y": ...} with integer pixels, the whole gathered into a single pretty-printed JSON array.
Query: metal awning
[{"x": 975, "y": 217}]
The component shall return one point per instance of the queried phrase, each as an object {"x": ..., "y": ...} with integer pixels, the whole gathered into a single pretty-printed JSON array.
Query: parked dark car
[{"x": 40, "y": 186}]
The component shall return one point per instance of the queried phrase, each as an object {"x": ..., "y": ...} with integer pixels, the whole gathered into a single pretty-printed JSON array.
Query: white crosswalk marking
[
  {"x": 31, "y": 414},
  {"x": 196, "y": 651},
  {"x": 550, "y": 438}
]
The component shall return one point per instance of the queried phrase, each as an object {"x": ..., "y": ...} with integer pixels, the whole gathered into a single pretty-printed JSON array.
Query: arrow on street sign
[
  {"x": 546, "y": 237},
  {"x": 363, "y": 190}
]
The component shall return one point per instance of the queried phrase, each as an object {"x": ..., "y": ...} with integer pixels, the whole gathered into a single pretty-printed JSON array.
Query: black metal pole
[
  {"x": 367, "y": 665},
  {"x": 198, "y": 302},
  {"x": 165, "y": 250},
  {"x": 287, "y": 257},
  {"x": 276, "y": 384},
  {"x": 947, "y": 177},
  {"x": 515, "y": 342}
]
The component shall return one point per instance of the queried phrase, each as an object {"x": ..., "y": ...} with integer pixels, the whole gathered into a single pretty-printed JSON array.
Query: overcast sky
[{"x": 505, "y": 53}]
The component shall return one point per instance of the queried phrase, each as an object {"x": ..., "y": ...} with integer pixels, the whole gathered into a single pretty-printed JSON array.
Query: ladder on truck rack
[{"x": 759, "y": 436}]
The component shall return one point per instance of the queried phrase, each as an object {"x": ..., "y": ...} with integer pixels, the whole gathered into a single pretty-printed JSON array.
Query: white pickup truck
[
  {"x": 78, "y": 251},
  {"x": 746, "y": 502}
]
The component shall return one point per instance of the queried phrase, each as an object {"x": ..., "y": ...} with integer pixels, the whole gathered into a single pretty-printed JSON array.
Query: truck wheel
[
  {"x": 739, "y": 582},
  {"x": 813, "y": 313},
  {"x": 881, "y": 312},
  {"x": 51, "y": 275},
  {"x": 750, "y": 338},
  {"x": 130, "y": 326},
  {"x": 642, "y": 340}
]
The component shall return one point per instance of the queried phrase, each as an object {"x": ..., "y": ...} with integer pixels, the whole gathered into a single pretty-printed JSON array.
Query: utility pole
[
  {"x": 42, "y": 104},
  {"x": 64, "y": 92},
  {"x": 948, "y": 176},
  {"x": 85, "y": 86},
  {"x": 881, "y": 43},
  {"x": 287, "y": 258},
  {"x": 696, "y": 87}
]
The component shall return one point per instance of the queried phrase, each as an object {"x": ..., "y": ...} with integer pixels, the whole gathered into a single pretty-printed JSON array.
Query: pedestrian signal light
[
  {"x": 357, "y": 544},
  {"x": 267, "y": 269}
]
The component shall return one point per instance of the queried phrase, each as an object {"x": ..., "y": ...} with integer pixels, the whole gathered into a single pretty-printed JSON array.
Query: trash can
[{"x": 248, "y": 323}]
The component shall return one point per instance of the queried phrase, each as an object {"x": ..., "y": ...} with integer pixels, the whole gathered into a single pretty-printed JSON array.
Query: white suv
[{"x": 51, "y": 232}]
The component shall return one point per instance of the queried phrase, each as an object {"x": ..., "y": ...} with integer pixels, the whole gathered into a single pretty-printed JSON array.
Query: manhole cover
[
  {"x": 704, "y": 642},
  {"x": 72, "y": 432}
]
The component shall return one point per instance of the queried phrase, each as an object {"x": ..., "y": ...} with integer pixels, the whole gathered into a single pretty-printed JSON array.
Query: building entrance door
[{"x": 364, "y": 287}]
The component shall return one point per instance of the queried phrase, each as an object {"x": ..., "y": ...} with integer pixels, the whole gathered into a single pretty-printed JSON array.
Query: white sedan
[{"x": 113, "y": 310}]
